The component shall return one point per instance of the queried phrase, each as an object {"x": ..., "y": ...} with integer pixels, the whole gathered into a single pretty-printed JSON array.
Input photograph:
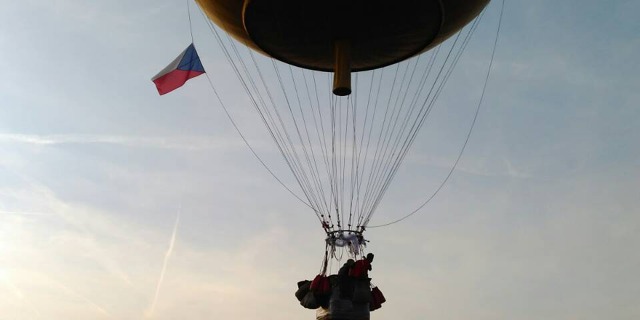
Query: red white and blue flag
[{"x": 186, "y": 66}]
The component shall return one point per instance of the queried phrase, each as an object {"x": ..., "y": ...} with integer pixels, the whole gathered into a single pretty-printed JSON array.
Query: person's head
[
  {"x": 370, "y": 257},
  {"x": 350, "y": 262}
]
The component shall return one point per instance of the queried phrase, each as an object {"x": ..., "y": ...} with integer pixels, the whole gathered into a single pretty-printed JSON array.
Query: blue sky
[{"x": 116, "y": 203}]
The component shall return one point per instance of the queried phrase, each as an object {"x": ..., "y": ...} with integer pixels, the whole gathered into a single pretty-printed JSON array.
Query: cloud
[
  {"x": 472, "y": 164},
  {"x": 190, "y": 143},
  {"x": 85, "y": 261}
]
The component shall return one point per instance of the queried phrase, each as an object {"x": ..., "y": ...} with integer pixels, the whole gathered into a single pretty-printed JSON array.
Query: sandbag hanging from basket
[
  {"x": 309, "y": 301},
  {"x": 303, "y": 289},
  {"x": 320, "y": 284},
  {"x": 377, "y": 295},
  {"x": 377, "y": 299}
]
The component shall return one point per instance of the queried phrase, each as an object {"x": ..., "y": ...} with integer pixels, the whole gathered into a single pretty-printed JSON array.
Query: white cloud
[{"x": 177, "y": 143}]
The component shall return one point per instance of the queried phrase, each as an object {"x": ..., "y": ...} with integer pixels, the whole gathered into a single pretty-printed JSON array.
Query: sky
[{"x": 116, "y": 203}]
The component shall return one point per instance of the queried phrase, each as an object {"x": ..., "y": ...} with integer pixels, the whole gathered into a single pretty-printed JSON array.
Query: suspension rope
[
  {"x": 256, "y": 106},
  {"x": 424, "y": 111},
  {"x": 473, "y": 122},
  {"x": 346, "y": 162}
]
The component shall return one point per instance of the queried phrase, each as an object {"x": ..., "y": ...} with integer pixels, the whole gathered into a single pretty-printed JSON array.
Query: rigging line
[
  {"x": 252, "y": 98},
  {"x": 334, "y": 186},
  {"x": 437, "y": 82},
  {"x": 319, "y": 122},
  {"x": 341, "y": 151},
  {"x": 270, "y": 124},
  {"x": 263, "y": 111},
  {"x": 398, "y": 108},
  {"x": 348, "y": 115},
  {"x": 339, "y": 145},
  {"x": 376, "y": 159},
  {"x": 383, "y": 132},
  {"x": 399, "y": 157},
  {"x": 401, "y": 109},
  {"x": 420, "y": 87},
  {"x": 311, "y": 161},
  {"x": 369, "y": 135},
  {"x": 284, "y": 152},
  {"x": 413, "y": 105},
  {"x": 404, "y": 78},
  {"x": 437, "y": 94},
  {"x": 389, "y": 131},
  {"x": 293, "y": 117},
  {"x": 338, "y": 158},
  {"x": 335, "y": 155},
  {"x": 354, "y": 146},
  {"x": 415, "y": 68},
  {"x": 323, "y": 194},
  {"x": 484, "y": 87},
  {"x": 296, "y": 159},
  {"x": 329, "y": 147},
  {"x": 331, "y": 153},
  {"x": 408, "y": 112},
  {"x": 247, "y": 74},
  {"x": 359, "y": 156},
  {"x": 333, "y": 174},
  {"x": 322, "y": 141},
  {"x": 348, "y": 158},
  {"x": 286, "y": 149},
  {"x": 395, "y": 146},
  {"x": 236, "y": 70},
  {"x": 213, "y": 29},
  {"x": 235, "y": 126},
  {"x": 226, "y": 52},
  {"x": 371, "y": 206},
  {"x": 299, "y": 169},
  {"x": 425, "y": 77},
  {"x": 441, "y": 85},
  {"x": 425, "y": 111},
  {"x": 331, "y": 165},
  {"x": 190, "y": 23},
  {"x": 448, "y": 73},
  {"x": 353, "y": 155},
  {"x": 309, "y": 186}
]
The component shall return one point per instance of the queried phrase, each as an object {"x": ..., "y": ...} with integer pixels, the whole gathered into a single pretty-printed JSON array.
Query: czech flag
[{"x": 186, "y": 66}]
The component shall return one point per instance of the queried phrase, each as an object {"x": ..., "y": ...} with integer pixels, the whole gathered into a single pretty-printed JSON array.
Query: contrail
[{"x": 149, "y": 313}]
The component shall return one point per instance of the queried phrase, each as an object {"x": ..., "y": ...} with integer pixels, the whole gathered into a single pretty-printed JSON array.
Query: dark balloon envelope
[
  {"x": 353, "y": 35},
  {"x": 302, "y": 32}
]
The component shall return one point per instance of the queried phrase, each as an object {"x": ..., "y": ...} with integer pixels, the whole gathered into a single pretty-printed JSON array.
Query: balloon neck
[{"x": 342, "y": 67}]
